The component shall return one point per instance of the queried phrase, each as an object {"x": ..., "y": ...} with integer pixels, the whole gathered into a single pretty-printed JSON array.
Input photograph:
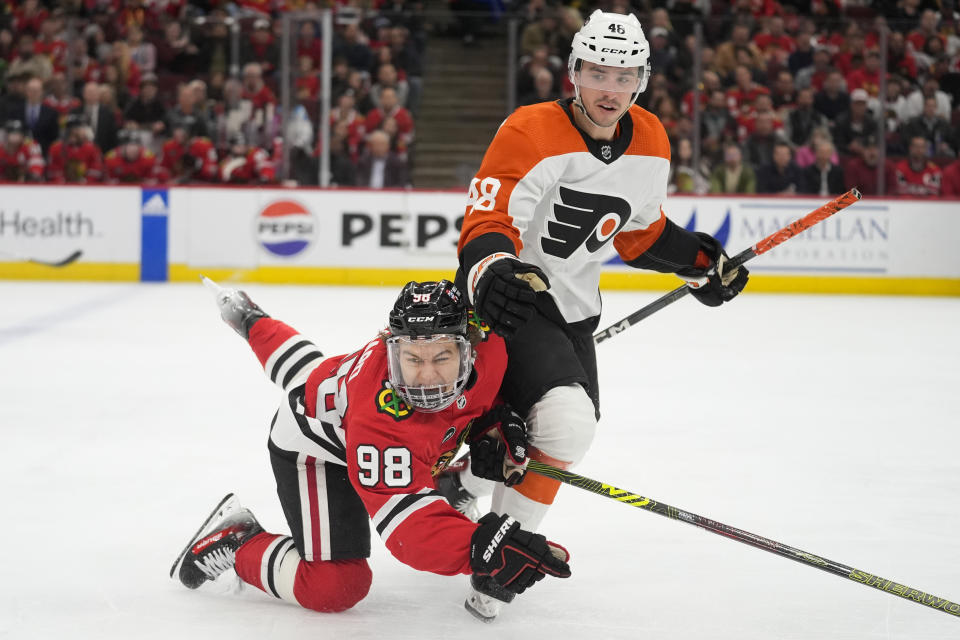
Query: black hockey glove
[
  {"x": 506, "y": 295},
  {"x": 715, "y": 285},
  {"x": 506, "y": 560},
  {"x": 498, "y": 446}
]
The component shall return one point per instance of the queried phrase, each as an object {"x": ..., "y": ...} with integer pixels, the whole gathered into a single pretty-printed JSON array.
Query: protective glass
[
  {"x": 604, "y": 78},
  {"x": 431, "y": 372}
]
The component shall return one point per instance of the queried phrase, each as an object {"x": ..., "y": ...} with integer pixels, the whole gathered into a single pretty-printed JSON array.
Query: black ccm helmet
[
  {"x": 428, "y": 354},
  {"x": 429, "y": 308}
]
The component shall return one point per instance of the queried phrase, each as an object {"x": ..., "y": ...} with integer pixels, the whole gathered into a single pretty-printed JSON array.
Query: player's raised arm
[{"x": 285, "y": 355}]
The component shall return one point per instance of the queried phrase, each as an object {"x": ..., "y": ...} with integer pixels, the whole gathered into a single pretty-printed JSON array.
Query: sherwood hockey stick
[
  {"x": 70, "y": 259},
  {"x": 837, "y": 569},
  {"x": 771, "y": 241}
]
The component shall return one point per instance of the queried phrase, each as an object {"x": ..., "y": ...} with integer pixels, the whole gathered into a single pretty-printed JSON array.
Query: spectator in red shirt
[
  {"x": 308, "y": 80},
  {"x": 29, "y": 17},
  {"x": 262, "y": 48},
  {"x": 868, "y": 76},
  {"x": 21, "y": 159},
  {"x": 916, "y": 175},
  {"x": 308, "y": 44},
  {"x": 50, "y": 45},
  {"x": 927, "y": 28},
  {"x": 75, "y": 159},
  {"x": 390, "y": 108},
  {"x": 742, "y": 95},
  {"x": 851, "y": 56},
  {"x": 709, "y": 84},
  {"x": 773, "y": 40},
  {"x": 346, "y": 113},
  {"x": 254, "y": 89}
]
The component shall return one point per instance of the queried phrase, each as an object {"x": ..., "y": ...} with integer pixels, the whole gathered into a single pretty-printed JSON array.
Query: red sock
[{"x": 271, "y": 563}]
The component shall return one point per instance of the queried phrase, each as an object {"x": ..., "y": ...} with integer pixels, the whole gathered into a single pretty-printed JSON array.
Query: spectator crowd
[
  {"x": 792, "y": 97},
  {"x": 757, "y": 96},
  {"x": 176, "y": 91}
]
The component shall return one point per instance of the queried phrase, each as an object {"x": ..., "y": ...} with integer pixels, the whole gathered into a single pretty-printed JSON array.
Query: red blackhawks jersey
[
  {"x": 926, "y": 182},
  {"x": 567, "y": 203},
  {"x": 81, "y": 163},
  {"x": 120, "y": 168},
  {"x": 25, "y": 163},
  {"x": 195, "y": 160},
  {"x": 342, "y": 410}
]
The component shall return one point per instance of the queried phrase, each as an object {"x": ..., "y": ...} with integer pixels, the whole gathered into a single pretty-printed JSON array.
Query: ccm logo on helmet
[
  {"x": 419, "y": 318},
  {"x": 609, "y": 50}
]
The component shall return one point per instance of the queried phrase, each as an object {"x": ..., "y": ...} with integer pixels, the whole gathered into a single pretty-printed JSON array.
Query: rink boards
[{"x": 389, "y": 237}]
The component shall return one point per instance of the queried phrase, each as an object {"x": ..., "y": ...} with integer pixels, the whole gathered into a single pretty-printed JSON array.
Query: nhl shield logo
[{"x": 606, "y": 152}]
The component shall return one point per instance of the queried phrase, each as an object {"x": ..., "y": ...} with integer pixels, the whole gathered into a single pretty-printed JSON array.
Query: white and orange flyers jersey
[{"x": 565, "y": 202}]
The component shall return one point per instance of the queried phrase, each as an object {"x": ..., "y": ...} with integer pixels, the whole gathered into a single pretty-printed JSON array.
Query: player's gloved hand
[
  {"x": 506, "y": 294},
  {"x": 506, "y": 560},
  {"x": 236, "y": 308},
  {"x": 498, "y": 446},
  {"x": 715, "y": 284}
]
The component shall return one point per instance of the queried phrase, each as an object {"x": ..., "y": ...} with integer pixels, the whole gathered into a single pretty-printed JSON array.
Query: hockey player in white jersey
[{"x": 563, "y": 187}]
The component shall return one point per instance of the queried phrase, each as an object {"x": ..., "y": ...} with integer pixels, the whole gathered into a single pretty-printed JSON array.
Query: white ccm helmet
[{"x": 613, "y": 40}]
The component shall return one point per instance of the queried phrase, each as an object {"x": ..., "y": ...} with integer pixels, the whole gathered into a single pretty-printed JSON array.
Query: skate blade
[
  {"x": 487, "y": 616},
  {"x": 200, "y": 532}
]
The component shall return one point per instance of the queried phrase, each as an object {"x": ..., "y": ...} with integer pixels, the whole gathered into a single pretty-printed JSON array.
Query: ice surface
[{"x": 827, "y": 423}]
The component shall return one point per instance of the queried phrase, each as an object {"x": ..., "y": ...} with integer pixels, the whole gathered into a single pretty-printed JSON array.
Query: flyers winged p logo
[{"x": 583, "y": 218}]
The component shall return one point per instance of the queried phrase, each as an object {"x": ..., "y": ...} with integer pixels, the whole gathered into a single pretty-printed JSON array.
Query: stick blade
[{"x": 70, "y": 259}]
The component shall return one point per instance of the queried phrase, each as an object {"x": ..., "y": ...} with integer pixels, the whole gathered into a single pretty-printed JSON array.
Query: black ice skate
[
  {"x": 450, "y": 487},
  {"x": 213, "y": 549}
]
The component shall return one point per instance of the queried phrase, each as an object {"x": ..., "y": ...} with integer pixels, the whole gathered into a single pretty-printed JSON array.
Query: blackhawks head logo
[
  {"x": 477, "y": 321},
  {"x": 390, "y": 403}
]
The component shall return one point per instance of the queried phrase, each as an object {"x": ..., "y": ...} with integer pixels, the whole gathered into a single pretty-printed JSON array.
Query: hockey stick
[
  {"x": 837, "y": 569},
  {"x": 70, "y": 259},
  {"x": 771, "y": 241}
]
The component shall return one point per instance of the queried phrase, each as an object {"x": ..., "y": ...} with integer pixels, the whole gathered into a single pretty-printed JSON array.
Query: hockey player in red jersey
[
  {"x": 362, "y": 437},
  {"x": 21, "y": 159},
  {"x": 130, "y": 162},
  {"x": 75, "y": 158},
  {"x": 564, "y": 187},
  {"x": 245, "y": 164},
  {"x": 188, "y": 158}
]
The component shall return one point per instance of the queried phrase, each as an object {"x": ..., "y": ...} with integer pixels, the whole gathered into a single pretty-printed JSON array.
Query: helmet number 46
[{"x": 617, "y": 28}]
